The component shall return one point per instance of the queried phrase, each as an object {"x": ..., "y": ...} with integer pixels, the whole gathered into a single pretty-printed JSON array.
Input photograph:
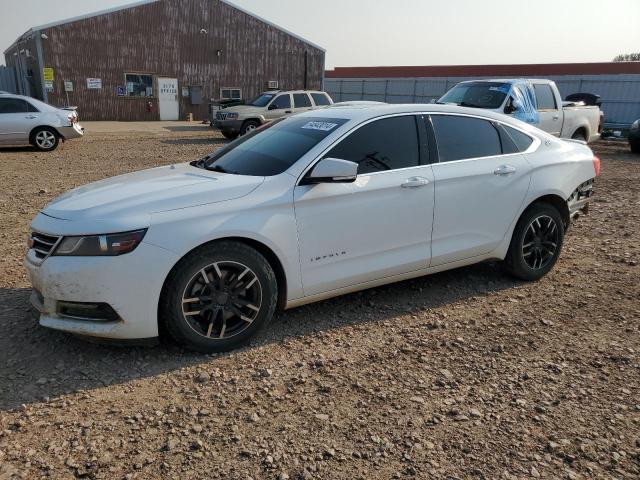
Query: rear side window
[
  {"x": 544, "y": 97},
  {"x": 320, "y": 99},
  {"x": 521, "y": 140},
  {"x": 15, "y": 105},
  {"x": 301, "y": 100},
  {"x": 386, "y": 144},
  {"x": 459, "y": 138},
  {"x": 283, "y": 101}
]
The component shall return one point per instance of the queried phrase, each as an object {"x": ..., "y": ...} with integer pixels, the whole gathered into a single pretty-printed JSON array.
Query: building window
[
  {"x": 138, "y": 85},
  {"x": 230, "y": 94}
]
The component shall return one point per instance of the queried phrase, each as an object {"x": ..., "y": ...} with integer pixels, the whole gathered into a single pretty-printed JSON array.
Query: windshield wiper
[
  {"x": 218, "y": 168},
  {"x": 471, "y": 105},
  {"x": 200, "y": 163}
]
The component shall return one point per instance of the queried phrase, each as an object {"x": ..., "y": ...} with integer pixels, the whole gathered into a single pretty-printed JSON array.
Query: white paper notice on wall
[
  {"x": 94, "y": 83},
  {"x": 323, "y": 126}
]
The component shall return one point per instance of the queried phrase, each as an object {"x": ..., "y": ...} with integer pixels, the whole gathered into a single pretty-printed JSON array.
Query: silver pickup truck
[{"x": 537, "y": 101}]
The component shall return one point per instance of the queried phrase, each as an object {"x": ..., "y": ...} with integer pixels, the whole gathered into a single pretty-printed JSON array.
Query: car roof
[
  {"x": 510, "y": 80},
  {"x": 273, "y": 92},
  {"x": 362, "y": 112}
]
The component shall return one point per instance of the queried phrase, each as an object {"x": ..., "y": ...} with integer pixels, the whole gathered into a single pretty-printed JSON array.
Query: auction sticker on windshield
[{"x": 323, "y": 126}]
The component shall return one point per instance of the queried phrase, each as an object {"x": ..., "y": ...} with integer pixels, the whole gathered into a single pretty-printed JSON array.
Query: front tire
[
  {"x": 249, "y": 126},
  {"x": 635, "y": 146},
  {"x": 536, "y": 242},
  {"x": 229, "y": 135},
  {"x": 45, "y": 139},
  {"x": 218, "y": 297}
]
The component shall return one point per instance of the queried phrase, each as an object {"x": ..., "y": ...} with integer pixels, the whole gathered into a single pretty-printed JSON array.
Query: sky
[{"x": 413, "y": 32}]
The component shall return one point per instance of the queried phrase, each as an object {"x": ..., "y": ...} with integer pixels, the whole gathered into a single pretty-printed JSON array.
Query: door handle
[
  {"x": 288, "y": 111},
  {"x": 504, "y": 170},
  {"x": 556, "y": 117},
  {"x": 31, "y": 116},
  {"x": 415, "y": 182}
]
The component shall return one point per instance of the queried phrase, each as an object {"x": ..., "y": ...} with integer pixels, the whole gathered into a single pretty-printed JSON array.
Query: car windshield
[
  {"x": 272, "y": 149},
  {"x": 477, "y": 94},
  {"x": 262, "y": 100}
]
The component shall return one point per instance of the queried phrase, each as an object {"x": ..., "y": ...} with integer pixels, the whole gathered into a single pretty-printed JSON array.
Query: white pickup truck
[{"x": 535, "y": 101}]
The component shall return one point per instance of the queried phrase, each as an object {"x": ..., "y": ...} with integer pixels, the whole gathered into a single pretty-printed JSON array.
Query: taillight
[{"x": 596, "y": 164}]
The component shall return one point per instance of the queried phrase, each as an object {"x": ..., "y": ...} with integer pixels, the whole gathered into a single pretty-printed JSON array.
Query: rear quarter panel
[{"x": 558, "y": 167}]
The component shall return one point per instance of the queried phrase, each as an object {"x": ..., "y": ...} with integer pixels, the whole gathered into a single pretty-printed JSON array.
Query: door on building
[{"x": 168, "y": 98}]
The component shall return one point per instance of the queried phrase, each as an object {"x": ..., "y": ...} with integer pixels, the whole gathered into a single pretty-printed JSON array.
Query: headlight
[
  {"x": 232, "y": 115},
  {"x": 635, "y": 125},
  {"x": 100, "y": 245}
]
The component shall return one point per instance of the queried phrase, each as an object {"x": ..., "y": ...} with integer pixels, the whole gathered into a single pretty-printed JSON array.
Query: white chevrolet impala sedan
[{"x": 307, "y": 208}]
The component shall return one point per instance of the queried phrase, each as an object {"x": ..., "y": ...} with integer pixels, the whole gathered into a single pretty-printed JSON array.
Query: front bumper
[
  {"x": 130, "y": 284},
  {"x": 74, "y": 131},
  {"x": 228, "y": 125}
]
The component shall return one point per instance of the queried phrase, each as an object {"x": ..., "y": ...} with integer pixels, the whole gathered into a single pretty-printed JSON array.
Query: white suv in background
[
  {"x": 27, "y": 121},
  {"x": 266, "y": 107}
]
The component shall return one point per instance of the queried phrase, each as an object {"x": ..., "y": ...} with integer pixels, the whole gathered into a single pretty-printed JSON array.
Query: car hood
[
  {"x": 245, "y": 110},
  {"x": 150, "y": 191}
]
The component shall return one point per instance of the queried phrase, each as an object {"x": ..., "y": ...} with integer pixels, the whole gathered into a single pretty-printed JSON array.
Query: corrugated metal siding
[
  {"x": 620, "y": 94},
  {"x": 163, "y": 38},
  {"x": 8, "y": 79}
]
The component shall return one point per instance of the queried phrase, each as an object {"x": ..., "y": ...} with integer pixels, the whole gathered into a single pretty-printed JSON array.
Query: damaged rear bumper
[{"x": 578, "y": 202}]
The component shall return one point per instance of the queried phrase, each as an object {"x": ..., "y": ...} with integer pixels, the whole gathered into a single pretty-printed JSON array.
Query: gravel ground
[{"x": 464, "y": 374}]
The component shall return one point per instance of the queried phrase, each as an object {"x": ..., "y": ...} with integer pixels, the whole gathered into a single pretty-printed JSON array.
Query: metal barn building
[
  {"x": 160, "y": 60},
  {"x": 618, "y": 84}
]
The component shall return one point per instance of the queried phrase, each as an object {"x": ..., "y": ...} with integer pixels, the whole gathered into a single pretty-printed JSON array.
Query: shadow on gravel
[
  {"x": 194, "y": 127},
  {"x": 21, "y": 148},
  {"x": 195, "y": 141},
  {"x": 37, "y": 363}
]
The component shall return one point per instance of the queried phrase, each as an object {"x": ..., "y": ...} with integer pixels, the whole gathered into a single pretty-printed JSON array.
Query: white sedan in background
[
  {"x": 310, "y": 207},
  {"x": 28, "y": 121}
]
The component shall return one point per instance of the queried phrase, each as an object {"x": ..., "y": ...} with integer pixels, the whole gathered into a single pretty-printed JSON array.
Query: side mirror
[
  {"x": 513, "y": 106},
  {"x": 331, "y": 170},
  {"x": 273, "y": 106}
]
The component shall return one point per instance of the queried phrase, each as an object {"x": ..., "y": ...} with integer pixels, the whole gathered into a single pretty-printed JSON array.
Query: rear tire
[
  {"x": 224, "y": 311},
  {"x": 45, "y": 139},
  {"x": 249, "y": 126},
  {"x": 579, "y": 135},
  {"x": 635, "y": 146},
  {"x": 536, "y": 242}
]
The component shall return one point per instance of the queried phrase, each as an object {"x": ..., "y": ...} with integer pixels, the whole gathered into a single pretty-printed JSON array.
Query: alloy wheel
[
  {"x": 249, "y": 128},
  {"x": 45, "y": 139},
  {"x": 540, "y": 242},
  {"x": 222, "y": 300}
]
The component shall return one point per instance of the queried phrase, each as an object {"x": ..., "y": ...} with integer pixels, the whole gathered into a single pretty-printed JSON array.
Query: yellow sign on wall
[{"x": 47, "y": 72}]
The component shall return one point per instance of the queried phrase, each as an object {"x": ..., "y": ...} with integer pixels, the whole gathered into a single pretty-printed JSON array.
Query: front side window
[
  {"x": 282, "y": 102},
  {"x": 544, "y": 97},
  {"x": 301, "y": 100},
  {"x": 139, "y": 85},
  {"x": 320, "y": 99},
  {"x": 459, "y": 138},
  {"x": 272, "y": 149},
  {"x": 15, "y": 105},
  {"x": 386, "y": 144}
]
